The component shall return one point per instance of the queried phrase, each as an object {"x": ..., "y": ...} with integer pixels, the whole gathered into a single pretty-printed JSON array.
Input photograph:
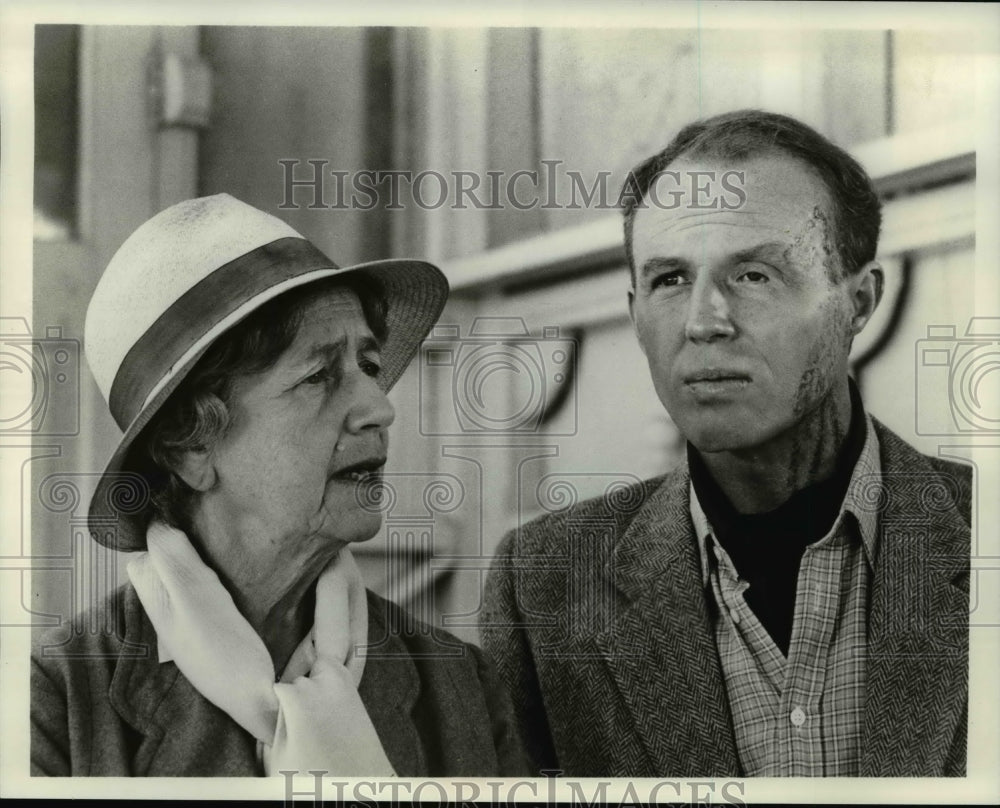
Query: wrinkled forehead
[
  {"x": 329, "y": 310},
  {"x": 770, "y": 196}
]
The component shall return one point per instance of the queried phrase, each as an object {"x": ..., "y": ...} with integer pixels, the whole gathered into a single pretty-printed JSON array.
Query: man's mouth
[
  {"x": 709, "y": 376},
  {"x": 364, "y": 471},
  {"x": 715, "y": 385}
]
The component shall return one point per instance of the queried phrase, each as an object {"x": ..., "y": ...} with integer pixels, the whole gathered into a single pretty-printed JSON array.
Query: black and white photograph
[{"x": 552, "y": 403}]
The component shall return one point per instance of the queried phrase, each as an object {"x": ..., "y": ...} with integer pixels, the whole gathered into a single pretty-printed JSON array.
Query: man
[{"x": 792, "y": 600}]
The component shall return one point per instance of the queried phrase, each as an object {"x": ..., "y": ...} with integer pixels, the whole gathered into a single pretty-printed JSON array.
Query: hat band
[{"x": 198, "y": 310}]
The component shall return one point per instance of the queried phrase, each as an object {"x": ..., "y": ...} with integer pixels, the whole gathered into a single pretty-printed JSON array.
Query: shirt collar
[{"x": 863, "y": 494}]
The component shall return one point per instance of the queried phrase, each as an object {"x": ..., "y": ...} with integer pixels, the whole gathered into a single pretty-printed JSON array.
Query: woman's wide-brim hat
[{"x": 181, "y": 280}]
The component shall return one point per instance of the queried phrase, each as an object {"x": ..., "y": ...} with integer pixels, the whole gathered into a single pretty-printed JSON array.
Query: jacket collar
[{"x": 860, "y": 501}]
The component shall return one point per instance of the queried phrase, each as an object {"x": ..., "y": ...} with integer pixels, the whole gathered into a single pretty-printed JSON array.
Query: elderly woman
[{"x": 249, "y": 374}]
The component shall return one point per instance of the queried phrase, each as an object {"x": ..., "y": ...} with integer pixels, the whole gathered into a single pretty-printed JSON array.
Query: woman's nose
[{"x": 371, "y": 408}]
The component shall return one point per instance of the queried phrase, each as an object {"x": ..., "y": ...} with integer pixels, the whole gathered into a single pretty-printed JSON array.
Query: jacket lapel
[
  {"x": 181, "y": 733},
  {"x": 389, "y": 689},
  {"x": 661, "y": 650},
  {"x": 918, "y": 628}
]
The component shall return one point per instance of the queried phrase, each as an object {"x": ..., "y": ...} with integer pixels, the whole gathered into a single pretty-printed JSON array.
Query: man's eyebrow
[
  {"x": 764, "y": 250},
  {"x": 767, "y": 249},
  {"x": 663, "y": 265}
]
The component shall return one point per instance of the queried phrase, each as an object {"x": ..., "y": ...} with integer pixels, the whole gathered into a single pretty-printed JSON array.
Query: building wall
[
  {"x": 508, "y": 100},
  {"x": 298, "y": 94},
  {"x": 598, "y": 102}
]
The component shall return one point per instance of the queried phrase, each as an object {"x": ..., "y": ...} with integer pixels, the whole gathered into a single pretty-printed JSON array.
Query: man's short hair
[{"x": 857, "y": 211}]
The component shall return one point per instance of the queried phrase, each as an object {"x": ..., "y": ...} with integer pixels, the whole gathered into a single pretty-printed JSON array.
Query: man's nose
[
  {"x": 708, "y": 315},
  {"x": 371, "y": 408}
]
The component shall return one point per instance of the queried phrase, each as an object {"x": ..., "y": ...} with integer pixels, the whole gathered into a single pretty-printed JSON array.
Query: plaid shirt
[{"x": 801, "y": 715}]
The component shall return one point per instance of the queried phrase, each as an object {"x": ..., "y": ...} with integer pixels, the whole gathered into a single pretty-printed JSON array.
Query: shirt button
[{"x": 798, "y": 716}]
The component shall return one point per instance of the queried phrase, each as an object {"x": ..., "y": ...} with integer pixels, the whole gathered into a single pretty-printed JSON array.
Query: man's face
[{"x": 739, "y": 312}]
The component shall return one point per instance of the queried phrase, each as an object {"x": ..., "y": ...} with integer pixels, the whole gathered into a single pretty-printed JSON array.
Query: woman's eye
[{"x": 321, "y": 376}]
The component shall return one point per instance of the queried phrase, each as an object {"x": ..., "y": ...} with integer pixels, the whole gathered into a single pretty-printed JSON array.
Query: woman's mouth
[{"x": 364, "y": 471}]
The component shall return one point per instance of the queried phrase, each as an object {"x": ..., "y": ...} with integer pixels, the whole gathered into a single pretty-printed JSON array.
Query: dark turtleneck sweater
[{"x": 767, "y": 548}]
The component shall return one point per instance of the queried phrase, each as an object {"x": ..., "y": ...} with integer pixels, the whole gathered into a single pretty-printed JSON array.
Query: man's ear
[
  {"x": 866, "y": 293},
  {"x": 631, "y": 315},
  {"x": 196, "y": 469}
]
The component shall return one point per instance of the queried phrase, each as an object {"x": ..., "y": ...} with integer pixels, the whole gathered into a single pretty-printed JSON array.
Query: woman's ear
[{"x": 195, "y": 468}]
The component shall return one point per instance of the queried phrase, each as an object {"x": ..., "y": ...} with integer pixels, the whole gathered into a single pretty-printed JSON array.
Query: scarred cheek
[{"x": 822, "y": 362}]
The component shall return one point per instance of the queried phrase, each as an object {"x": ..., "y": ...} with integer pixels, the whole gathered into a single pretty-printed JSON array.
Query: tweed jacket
[
  {"x": 103, "y": 705},
  {"x": 599, "y": 623}
]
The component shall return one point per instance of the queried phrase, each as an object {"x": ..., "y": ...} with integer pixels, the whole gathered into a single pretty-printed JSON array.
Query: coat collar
[
  {"x": 660, "y": 649},
  {"x": 179, "y": 727}
]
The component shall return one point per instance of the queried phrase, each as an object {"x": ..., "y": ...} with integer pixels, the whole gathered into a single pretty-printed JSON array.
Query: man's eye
[
  {"x": 667, "y": 279},
  {"x": 370, "y": 367},
  {"x": 753, "y": 276}
]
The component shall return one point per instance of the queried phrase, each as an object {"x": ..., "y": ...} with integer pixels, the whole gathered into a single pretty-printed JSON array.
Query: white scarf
[{"x": 313, "y": 719}]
